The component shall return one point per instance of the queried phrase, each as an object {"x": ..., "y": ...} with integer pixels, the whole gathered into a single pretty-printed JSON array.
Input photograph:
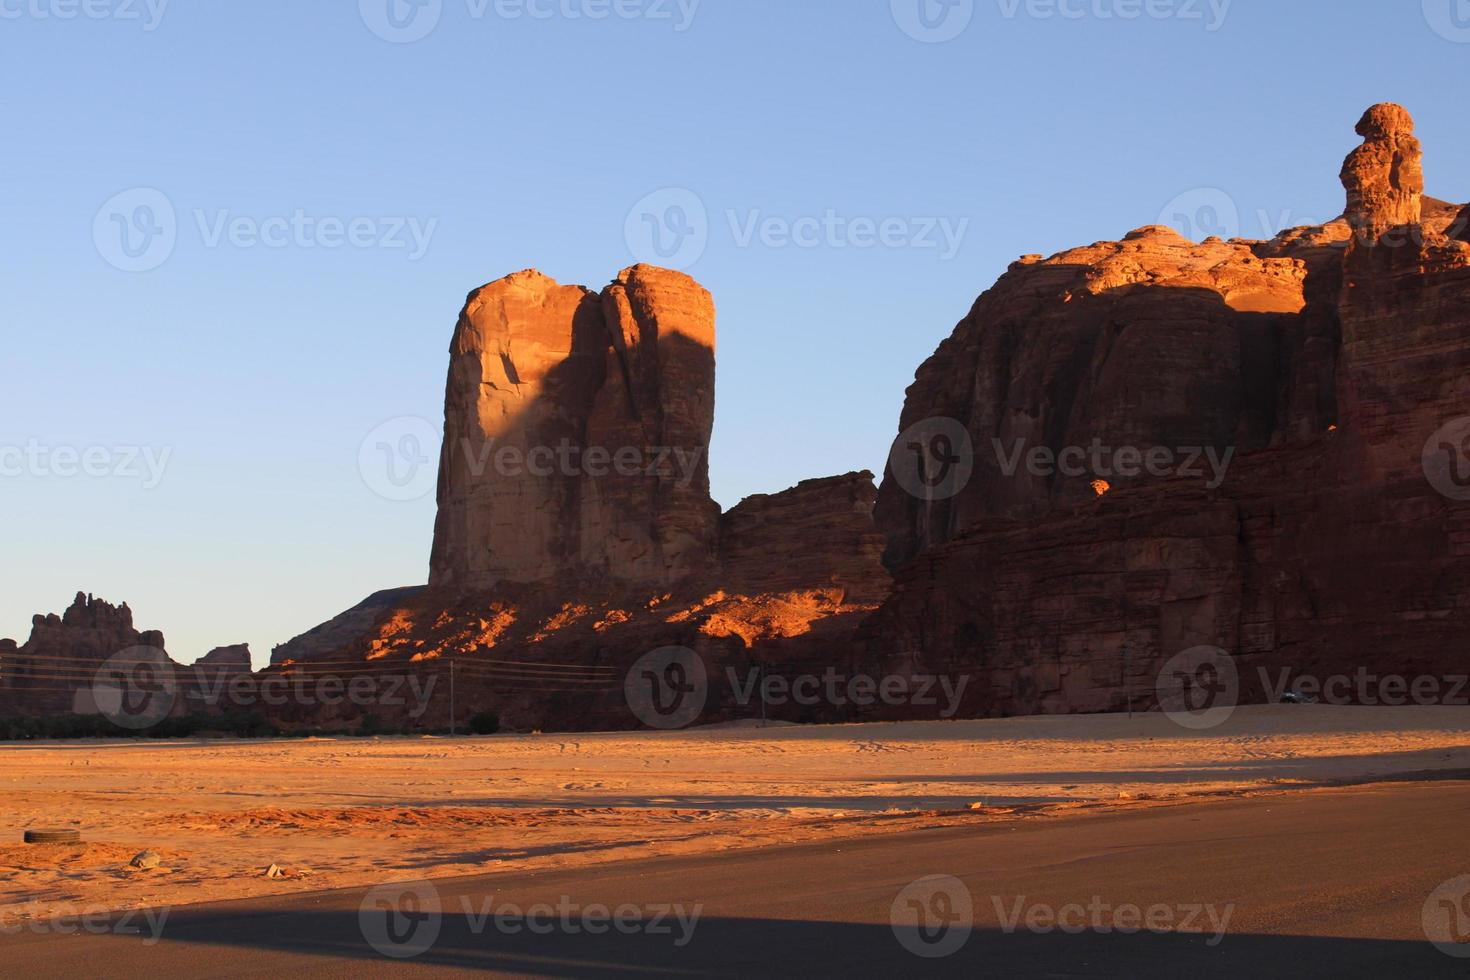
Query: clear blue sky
[{"x": 526, "y": 141}]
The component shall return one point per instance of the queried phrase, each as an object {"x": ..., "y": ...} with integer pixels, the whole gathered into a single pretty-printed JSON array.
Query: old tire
[{"x": 53, "y": 836}]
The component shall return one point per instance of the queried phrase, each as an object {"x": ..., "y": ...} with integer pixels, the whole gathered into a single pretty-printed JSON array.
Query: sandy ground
[{"x": 340, "y": 812}]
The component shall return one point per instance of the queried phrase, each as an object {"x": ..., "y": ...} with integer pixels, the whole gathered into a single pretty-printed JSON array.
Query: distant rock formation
[
  {"x": 233, "y": 659},
  {"x": 52, "y": 673},
  {"x": 72, "y": 657}
]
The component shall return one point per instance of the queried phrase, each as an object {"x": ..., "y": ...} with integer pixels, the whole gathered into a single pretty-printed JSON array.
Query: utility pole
[
  {"x": 763, "y": 695},
  {"x": 1127, "y": 680},
  {"x": 451, "y": 699}
]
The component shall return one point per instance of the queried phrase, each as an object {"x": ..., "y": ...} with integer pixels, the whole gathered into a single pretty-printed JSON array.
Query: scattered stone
[{"x": 146, "y": 860}]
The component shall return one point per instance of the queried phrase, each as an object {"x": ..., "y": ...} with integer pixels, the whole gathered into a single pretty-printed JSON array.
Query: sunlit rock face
[
  {"x": 1338, "y": 539},
  {"x": 576, "y": 430},
  {"x": 1310, "y": 516},
  {"x": 1152, "y": 342},
  {"x": 1384, "y": 177}
]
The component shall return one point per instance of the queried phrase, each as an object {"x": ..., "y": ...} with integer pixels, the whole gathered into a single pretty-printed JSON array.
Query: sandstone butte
[{"x": 1324, "y": 361}]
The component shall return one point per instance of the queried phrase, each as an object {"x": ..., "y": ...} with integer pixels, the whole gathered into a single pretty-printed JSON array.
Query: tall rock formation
[
  {"x": 576, "y": 434},
  {"x": 657, "y": 405},
  {"x": 1337, "y": 541},
  {"x": 1405, "y": 354},
  {"x": 1384, "y": 177}
]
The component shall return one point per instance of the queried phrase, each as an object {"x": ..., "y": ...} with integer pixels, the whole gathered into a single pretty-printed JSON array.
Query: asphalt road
[{"x": 1305, "y": 884}]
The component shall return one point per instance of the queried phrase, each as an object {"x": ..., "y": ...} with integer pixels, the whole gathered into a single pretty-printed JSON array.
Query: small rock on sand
[{"x": 146, "y": 860}]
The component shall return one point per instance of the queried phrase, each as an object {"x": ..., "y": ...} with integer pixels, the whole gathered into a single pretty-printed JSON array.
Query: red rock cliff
[{"x": 1338, "y": 537}]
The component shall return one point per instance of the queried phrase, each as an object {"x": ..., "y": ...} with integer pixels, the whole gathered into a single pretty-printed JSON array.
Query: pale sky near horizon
[{"x": 236, "y": 236}]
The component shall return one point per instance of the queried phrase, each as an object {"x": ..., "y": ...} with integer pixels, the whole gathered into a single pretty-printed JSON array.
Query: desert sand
[{"x": 341, "y": 812}]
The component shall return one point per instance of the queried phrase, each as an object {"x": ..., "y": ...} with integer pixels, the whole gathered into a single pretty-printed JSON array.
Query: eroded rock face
[
  {"x": 234, "y": 659},
  {"x": 1153, "y": 343},
  {"x": 576, "y": 433},
  {"x": 525, "y": 362},
  {"x": 343, "y": 629},
  {"x": 819, "y": 533},
  {"x": 1339, "y": 538},
  {"x": 1384, "y": 177},
  {"x": 52, "y": 672},
  {"x": 656, "y": 404}
]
